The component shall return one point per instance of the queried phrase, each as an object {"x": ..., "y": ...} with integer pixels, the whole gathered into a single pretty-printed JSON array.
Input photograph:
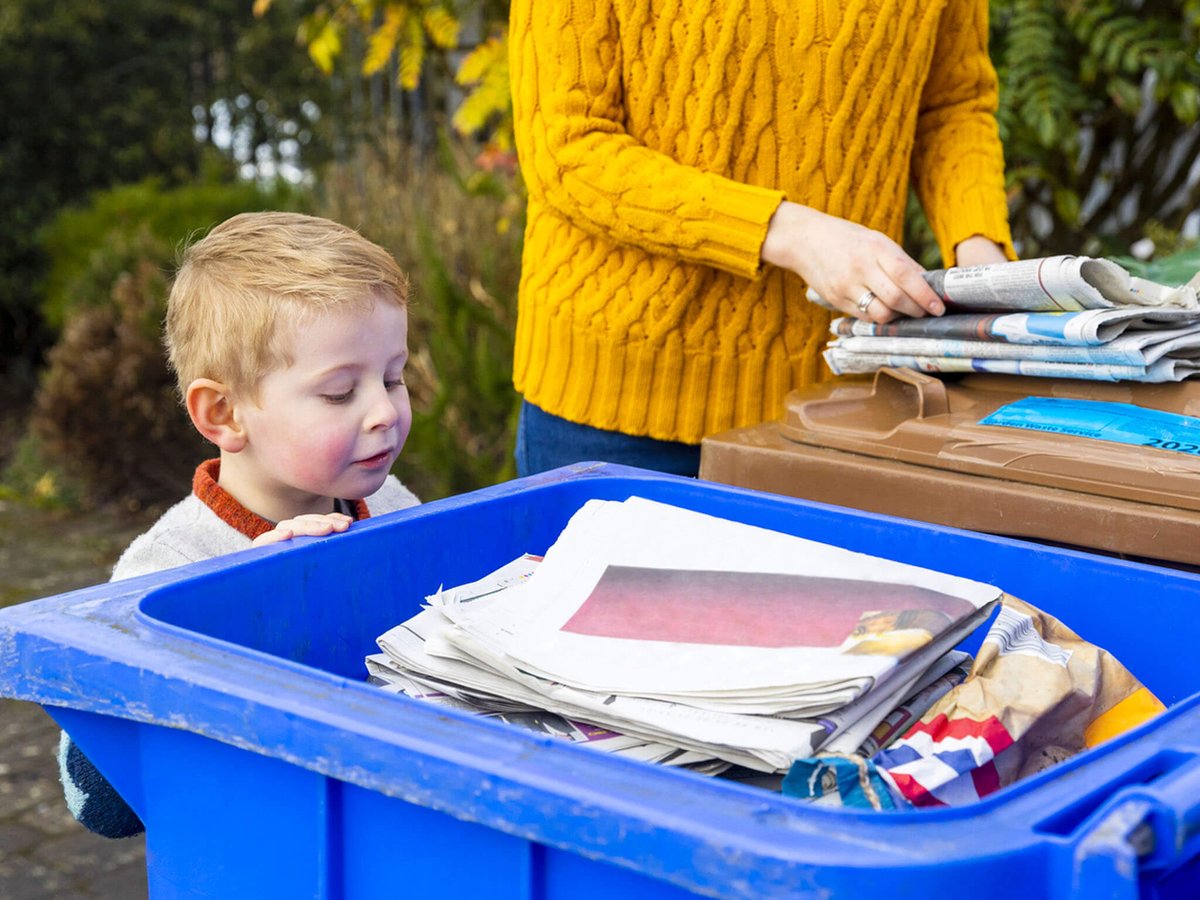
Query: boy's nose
[{"x": 382, "y": 413}]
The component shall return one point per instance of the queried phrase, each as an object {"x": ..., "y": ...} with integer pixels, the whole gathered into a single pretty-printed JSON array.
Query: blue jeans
[{"x": 546, "y": 442}]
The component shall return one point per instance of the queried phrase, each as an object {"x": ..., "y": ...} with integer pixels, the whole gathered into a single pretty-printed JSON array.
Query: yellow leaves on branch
[
  {"x": 326, "y": 45},
  {"x": 320, "y": 32},
  {"x": 384, "y": 39},
  {"x": 403, "y": 30},
  {"x": 484, "y": 58},
  {"x": 366, "y": 10},
  {"x": 412, "y": 55},
  {"x": 485, "y": 72},
  {"x": 441, "y": 27}
]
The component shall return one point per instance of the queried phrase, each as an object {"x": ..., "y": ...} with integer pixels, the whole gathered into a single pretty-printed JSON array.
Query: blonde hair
[{"x": 240, "y": 290}]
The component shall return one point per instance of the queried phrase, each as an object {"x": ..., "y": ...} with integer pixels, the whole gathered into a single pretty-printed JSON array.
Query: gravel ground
[{"x": 43, "y": 852}]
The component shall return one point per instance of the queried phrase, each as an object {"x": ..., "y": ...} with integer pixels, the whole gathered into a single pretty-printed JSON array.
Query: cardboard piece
[{"x": 910, "y": 444}]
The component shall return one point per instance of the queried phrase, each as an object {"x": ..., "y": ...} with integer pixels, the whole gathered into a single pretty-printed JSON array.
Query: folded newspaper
[
  {"x": 1061, "y": 316},
  {"x": 684, "y": 638}
]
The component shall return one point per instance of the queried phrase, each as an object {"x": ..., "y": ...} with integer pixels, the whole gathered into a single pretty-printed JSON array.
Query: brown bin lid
[{"x": 934, "y": 421}]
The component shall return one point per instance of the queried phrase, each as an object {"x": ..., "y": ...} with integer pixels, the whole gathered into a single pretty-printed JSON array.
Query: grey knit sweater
[
  {"x": 206, "y": 524},
  {"x": 193, "y": 530}
]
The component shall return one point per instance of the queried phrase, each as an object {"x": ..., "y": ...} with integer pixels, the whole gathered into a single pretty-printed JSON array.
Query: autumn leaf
[{"x": 383, "y": 41}]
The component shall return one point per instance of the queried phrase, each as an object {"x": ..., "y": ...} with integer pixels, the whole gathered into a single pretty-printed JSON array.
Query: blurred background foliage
[
  {"x": 97, "y": 94},
  {"x": 1098, "y": 113},
  {"x": 132, "y": 126},
  {"x": 106, "y": 408}
]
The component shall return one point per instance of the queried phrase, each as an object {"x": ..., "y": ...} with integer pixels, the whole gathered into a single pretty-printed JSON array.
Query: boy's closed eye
[{"x": 389, "y": 385}]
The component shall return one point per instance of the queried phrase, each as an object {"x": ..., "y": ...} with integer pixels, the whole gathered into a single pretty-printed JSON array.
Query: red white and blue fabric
[{"x": 945, "y": 762}]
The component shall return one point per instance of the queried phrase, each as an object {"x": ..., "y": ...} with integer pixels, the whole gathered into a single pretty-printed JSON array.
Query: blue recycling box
[{"x": 226, "y": 701}]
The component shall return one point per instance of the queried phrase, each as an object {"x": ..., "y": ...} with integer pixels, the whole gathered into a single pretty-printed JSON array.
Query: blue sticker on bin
[{"x": 1122, "y": 423}]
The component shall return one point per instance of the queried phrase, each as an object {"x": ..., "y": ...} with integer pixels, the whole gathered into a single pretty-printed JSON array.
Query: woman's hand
[
  {"x": 861, "y": 272},
  {"x": 309, "y": 525}
]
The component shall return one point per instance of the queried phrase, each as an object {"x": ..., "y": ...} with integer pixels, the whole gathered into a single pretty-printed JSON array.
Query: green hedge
[
  {"x": 106, "y": 408},
  {"x": 80, "y": 241}
]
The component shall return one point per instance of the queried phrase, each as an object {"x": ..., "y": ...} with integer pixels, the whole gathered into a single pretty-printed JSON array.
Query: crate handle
[
  {"x": 896, "y": 397},
  {"x": 910, "y": 386},
  {"x": 1144, "y": 827}
]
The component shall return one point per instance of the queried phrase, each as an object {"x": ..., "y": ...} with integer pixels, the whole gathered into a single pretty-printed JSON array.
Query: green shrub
[
  {"x": 78, "y": 241},
  {"x": 106, "y": 408},
  {"x": 30, "y": 477},
  {"x": 1099, "y": 106},
  {"x": 107, "y": 403},
  {"x": 1179, "y": 268}
]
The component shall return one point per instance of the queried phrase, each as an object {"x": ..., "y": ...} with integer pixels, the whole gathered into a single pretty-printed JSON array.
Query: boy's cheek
[
  {"x": 315, "y": 455},
  {"x": 405, "y": 425}
]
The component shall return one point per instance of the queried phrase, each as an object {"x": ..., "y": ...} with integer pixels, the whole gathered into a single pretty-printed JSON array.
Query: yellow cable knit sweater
[{"x": 657, "y": 138}]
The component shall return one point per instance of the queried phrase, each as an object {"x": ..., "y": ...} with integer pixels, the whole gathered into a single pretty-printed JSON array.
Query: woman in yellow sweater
[{"x": 694, "y": 166}]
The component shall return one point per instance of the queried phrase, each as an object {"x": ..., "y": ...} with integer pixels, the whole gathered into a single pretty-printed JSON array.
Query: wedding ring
[{"x": 865, "y": 301}]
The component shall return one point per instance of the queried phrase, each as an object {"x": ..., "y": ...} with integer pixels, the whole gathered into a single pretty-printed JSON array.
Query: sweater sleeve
[
  {"x": 93, "y": 802},
  {"x": 579, "y": 160},
  {"x": 187, "y": 532},
  {"x": 958, "y": 160},
  {"x": 145, "y": 556}
]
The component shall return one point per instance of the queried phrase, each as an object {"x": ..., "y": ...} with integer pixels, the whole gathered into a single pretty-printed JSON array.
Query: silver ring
[{"x": 864, "y": 302}]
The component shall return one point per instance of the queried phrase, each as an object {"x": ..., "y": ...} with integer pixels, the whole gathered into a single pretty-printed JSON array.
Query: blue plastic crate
[{"x": 226, "y": 701}]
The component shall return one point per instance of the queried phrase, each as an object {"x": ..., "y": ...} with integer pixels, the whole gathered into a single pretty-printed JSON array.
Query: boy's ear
[{"x": 210, "y": 405}]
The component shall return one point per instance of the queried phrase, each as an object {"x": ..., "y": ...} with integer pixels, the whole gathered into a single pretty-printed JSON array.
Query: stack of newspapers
[
  {"x": 682, "y": 638},
  {"x": 1061, "y": 316}
]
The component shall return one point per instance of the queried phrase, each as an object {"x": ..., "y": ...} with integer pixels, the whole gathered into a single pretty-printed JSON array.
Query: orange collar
[{"x": 233, "y": 513}]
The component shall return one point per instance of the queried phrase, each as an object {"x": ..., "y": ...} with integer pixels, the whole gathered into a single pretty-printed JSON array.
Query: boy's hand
[{"x": 311, "y": 525}]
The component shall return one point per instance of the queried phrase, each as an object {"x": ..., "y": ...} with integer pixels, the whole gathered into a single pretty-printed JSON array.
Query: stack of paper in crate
[
  {"x": 1060, "y": 316},
  {"x": 408, "y": 666},
  {"x": 688, "y": 638}
]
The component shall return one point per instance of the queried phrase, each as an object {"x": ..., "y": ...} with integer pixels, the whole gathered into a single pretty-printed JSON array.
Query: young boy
[{"x": 288, "y": 335}]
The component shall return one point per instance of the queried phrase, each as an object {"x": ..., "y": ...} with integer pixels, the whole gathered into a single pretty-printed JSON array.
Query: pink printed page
[{"x": 755, "y": 609}]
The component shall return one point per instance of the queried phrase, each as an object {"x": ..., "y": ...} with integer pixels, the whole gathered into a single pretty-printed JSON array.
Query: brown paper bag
[{"x": 1037, "y": 694}]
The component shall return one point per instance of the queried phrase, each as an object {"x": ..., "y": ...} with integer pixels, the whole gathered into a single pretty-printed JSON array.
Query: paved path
[{"x": 44, "y": 853}]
